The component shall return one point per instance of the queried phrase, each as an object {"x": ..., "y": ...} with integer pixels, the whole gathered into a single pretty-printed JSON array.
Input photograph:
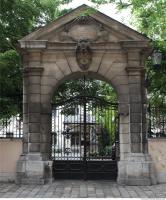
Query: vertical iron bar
[
  {"x": 150, "y": 123},
  {"x": 84, "y": 105}
]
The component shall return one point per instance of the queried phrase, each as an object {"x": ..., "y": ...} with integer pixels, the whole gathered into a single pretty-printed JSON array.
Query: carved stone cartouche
[{"x": 83, "y": 54}]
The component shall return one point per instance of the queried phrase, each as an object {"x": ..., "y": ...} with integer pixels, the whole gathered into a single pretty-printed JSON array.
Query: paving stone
[
  {"x": 115, "y": 192},
  {"x": 141, "y": 192},
  {"x": 132, "y": 194},
  {"x": 150, "y": 194},
  {"x": 108, "y": 193},
  {"x": 81, "y": 189},
  {"x": 124, "y": 193},
  {"x": 92, "y": 196}
]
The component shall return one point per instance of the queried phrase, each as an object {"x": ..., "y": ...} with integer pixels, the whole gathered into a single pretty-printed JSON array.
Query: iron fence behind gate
[
  {"x": 156, "y": 121},
  {"x": 84, "y": 130},
  {"x": 11, "y": 123},
  {"x": 11, "y": 127}
]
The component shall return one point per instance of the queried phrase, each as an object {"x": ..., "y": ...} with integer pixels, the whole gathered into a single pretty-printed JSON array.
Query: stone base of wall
[
  {"x": 8, "y": 177},
  {"x": 31, "y": 169},
  {"x": 137, "y": 169},
  {"x": 161, "y": 177},
  {"x": 157, "y": 151}
]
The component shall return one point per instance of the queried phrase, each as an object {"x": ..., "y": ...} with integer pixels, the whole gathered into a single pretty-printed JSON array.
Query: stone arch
[
  {"x": 118, "y": 55},
  {"x": 119, "y": 84}
]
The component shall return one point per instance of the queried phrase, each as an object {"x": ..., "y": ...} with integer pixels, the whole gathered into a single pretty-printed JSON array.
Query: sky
[{"x": 108, "y": 9}]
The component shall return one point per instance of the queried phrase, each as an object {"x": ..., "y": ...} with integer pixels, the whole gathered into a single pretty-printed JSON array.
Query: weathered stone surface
[
  {"x": 34, "y": 80},
  {"x": 34, "y": 137},
  {"x": 34, "y": 127},
  {"x": 135, "y": 138},
  {"x": 25, "y": 108},
  {"x": 34, "y": 147},
  {"x": 136, "y": 170},
  {"x": 136, "y": 147},
  {"x": 45, "y": 98},
  {"x": 124, "y": 138},
  {"x": 45, "y": 118},
  {"x": 135, "y": 98},
  {"x": 34, "y": 89},
  {"x": 121, "y": 80},
  {"x": 135, "y": 107},
  {"x": 31, "y": 167},
  {"x": 45, "y": 147},
  {"x": 125, "y": 148},
  {"x": 124, "y": 128},
  {"x": 34, "y": 117},
  {"x": 123, "y": 109},
  {"x": 45, "y": 108},
  {"x": 25, "y": 147},
  {"x": 52, "y": 69},
  {"x": 34, "y": 98},
  {"x": 48, "y": 80},
  {"x": 46, "y": 89},
  {"x": 45, "y": 128},
  {"x": 135, "y": 127},
  {"x": 135, "y": 118},
  {"x": 50, "y": 59},
  {"x": 34, "y": 107}
]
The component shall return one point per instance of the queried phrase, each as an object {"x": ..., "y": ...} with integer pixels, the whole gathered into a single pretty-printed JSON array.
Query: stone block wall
[{"x": 157, "y": 150}]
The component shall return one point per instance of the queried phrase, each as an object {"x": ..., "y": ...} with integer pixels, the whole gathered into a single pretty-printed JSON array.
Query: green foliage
[
  {"x": 17, "y": 19},
  {"x": 149, "y": 17},
  {"x": 157, "y": 85},
  {"x": 94, "y": 88},
  {"x": 108, "y": 118},
  {"x": 105, "y": 139},
  {"x": 20, "y": 17},
  {"x": 88, "y": 12},
  {"x": 10, "y": 83}
]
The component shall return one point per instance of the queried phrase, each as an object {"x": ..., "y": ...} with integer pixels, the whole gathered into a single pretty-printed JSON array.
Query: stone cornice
[
  {"x": 40, "y": 45},
  {"x": 125, "y": 45},
  {"x": 137, "y": 45},
  {"x": 33, "y": 69},
  {"x": 33, "y": 44},
  {"x": 135, "y": 69}
]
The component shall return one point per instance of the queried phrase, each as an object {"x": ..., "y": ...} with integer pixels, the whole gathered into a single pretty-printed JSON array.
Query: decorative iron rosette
[{"x": 83, "y": 54}]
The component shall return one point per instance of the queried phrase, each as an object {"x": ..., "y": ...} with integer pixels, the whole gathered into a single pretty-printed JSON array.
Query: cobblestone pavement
[{"x": 81, "y": 189}]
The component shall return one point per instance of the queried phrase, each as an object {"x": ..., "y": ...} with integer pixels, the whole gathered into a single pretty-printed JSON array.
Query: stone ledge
[
  {"x": 156, "y": 139},
  {"x": 33, "y": 44},
  {"x": 134, "y": 182},
  {"x": 31, "y": 169},
  {"x": 7, "y": 177},
  {"x": 161, "y": 177},
  {"x": 137, "y": 169}
]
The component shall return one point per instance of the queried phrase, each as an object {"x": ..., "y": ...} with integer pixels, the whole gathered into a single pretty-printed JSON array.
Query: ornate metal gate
[{"x": 85, "y": 139}]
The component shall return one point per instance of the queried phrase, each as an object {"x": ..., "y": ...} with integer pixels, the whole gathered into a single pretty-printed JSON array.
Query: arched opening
[{"x": 85, "y": 130}]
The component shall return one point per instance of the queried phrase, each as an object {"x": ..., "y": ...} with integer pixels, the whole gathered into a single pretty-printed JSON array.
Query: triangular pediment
[{"x": 75, "y": 26}]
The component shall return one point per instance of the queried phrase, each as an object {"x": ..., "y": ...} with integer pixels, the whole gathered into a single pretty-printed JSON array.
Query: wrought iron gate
[{"x": 85, "y": 139}]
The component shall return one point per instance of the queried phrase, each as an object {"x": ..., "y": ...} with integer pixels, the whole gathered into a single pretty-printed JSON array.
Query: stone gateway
[{"x": 98, "y": 47}]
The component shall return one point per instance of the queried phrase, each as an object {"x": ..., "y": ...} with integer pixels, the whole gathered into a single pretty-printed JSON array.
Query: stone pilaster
[
  {"x": 137, "y": 167},
  {"x": 31, "y": 168}
]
